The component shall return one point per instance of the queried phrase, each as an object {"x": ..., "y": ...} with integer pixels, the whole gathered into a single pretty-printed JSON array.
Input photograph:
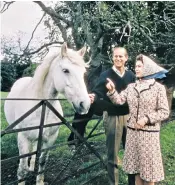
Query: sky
[{"x": 22, "y": 16}]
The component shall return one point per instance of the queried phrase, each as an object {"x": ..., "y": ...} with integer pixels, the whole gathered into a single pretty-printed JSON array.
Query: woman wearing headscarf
[{"x": 148, "y": 106}]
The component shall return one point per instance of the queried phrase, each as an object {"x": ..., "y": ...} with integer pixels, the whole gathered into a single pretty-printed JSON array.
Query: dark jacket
[{"x": 101, "y": 99}]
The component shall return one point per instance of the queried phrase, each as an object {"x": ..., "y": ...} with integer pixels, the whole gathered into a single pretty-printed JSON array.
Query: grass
[
  {"x": 61, "y": 156},
  {"x": 8, "y": 142},
  {"x": 3, "y": 119},
  {"x": 168, "y": 152}
]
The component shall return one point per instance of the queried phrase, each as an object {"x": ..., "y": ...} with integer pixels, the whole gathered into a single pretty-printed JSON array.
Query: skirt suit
[{"x": 146, "y": 98}]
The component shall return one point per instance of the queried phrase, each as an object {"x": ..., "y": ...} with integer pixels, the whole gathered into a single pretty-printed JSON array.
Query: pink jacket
[{"x": 145, "y": 98}]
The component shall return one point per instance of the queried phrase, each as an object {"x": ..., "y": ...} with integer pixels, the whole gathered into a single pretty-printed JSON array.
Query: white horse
[{"x": 63, "y": 73}]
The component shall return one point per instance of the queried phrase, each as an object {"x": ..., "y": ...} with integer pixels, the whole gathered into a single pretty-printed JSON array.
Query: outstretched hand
[{"x": 110, "y": 85}]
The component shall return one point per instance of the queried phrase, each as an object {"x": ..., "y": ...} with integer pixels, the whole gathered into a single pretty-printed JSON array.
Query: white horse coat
[{"x": 58, "y": 73}]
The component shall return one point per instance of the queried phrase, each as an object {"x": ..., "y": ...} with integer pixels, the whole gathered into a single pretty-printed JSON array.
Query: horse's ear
[
  {"x": 82, "y": 51},
  {"x": 64, "y": 50}
]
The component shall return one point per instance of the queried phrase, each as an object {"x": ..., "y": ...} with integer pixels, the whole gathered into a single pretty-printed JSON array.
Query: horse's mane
[{"x": 42, "y": 70}]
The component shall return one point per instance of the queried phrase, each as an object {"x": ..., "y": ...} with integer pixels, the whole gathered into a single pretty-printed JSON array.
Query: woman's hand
[
  {"x": 110, "y": 86},
  {"x": 141, "y": 123}
]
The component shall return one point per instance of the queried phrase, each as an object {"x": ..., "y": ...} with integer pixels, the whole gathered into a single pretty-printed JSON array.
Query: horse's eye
[{"x": 65, "y": 70}]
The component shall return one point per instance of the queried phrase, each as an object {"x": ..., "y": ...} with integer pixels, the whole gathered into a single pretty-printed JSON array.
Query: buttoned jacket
[{"x": 145, "y": 98}]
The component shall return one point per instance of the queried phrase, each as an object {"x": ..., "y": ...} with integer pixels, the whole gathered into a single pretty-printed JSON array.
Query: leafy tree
[
  {"x": 8, "y": 75},
  {"x": 13, "y": 64},
  {"x": 29, "y": 71},
  {"x": 140, "y": 26},
  {"x": 102, "y": 25}
]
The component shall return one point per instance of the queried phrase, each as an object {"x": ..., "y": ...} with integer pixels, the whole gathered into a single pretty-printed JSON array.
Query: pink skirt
[{"x": 143, "y": 155}]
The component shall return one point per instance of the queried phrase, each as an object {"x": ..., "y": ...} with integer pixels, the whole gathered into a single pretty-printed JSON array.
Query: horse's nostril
[{"x": 81, "y": 104}]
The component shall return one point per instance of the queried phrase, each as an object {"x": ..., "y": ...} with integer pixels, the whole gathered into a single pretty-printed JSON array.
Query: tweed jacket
[{"x": 146, "y": 98}]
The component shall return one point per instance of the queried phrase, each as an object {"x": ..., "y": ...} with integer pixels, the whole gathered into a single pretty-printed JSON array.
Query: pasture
[{"x": 61, "y": 156}]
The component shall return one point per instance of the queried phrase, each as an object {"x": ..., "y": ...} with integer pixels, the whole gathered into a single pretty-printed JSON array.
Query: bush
[
  {"x": 29, "y": 71},
  {"x": 11, "y": 71},
  {"x": 8, "y": 75}
]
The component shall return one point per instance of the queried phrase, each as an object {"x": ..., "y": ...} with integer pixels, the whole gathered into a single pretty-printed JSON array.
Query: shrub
[
  {"x": 8, "y": 75},
  {"x": 29, "y": 71}
]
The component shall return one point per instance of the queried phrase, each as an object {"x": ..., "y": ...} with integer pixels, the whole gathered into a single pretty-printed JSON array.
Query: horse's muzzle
[{"x": 82, "y": 107}]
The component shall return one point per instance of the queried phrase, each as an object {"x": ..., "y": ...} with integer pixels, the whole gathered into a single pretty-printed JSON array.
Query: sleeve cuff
[
  {"x": 149, "y": 121},
  {"x": 110, "y": 93}
]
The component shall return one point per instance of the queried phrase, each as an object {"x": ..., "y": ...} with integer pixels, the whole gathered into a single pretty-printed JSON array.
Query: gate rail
[{"x": 45, "y": 103}]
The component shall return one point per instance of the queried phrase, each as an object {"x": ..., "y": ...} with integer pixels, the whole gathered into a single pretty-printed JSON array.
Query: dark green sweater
[{"x": 102, "y": 100}]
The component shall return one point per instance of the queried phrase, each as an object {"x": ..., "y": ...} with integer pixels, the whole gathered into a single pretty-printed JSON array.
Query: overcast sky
[{"x": 22, "y": 16}]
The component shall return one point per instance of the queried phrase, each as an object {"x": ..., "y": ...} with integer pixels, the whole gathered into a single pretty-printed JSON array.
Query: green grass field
[{"x": 63, "y": 154}]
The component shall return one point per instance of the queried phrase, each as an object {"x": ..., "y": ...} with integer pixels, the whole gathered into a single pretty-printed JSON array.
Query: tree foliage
[
  {"x": 29, "y": 71},
  {"x": 8, "y": 76},
  {"x": 12, "y": 64},
  {"x": 141, "y": 26}
]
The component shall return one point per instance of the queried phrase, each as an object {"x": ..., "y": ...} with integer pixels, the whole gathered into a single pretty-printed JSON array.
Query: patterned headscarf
[{"x": 150, "y": 68}]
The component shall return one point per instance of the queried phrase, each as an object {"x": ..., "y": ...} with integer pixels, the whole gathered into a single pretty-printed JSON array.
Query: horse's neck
[
  {"x": 48, "y": 88},
  {"x": 43, "y": 85}
]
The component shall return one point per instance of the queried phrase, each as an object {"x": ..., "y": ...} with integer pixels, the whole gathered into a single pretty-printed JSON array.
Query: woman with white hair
[{"x": 148, "y": 106}]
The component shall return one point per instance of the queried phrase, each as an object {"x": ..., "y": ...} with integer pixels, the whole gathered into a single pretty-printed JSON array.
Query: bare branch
[
  {"x": 60, "y": 9},
  {"x": 52, "y": 13},
  {"x": 19, "y": 43},
  {"x": 6, "y": 6},
  {"x": 146, "y": 29},
  {"x": 120, "y": 6},
  {"x": 126, "y": 31},
  {"x": 62, "y": 29},
  {"x": 146, "y": 35},
  {"x": 34, "y": 32},
  {"x": 42, "y": 47},
  {"x": 57, "y": 19},
  {"x": 166, "y": 26},
  {"x": 165, "y": 44},
  {"x": 152, "y": 41}
]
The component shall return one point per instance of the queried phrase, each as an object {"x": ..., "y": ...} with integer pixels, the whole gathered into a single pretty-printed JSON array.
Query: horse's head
[{"x": 68, "y": 77}]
